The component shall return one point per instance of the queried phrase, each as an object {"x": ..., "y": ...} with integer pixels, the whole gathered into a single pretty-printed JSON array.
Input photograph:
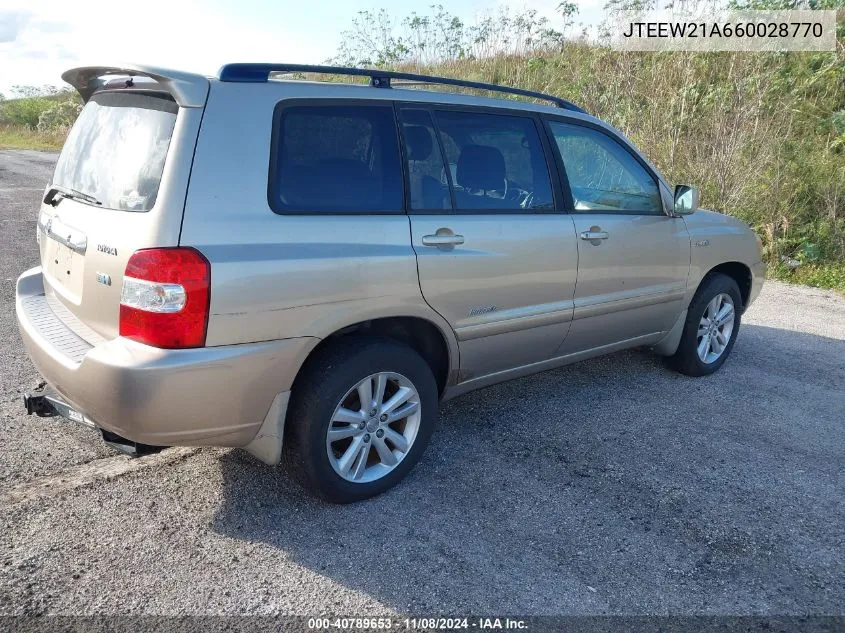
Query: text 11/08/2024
[{"x": 417, "y": 624}]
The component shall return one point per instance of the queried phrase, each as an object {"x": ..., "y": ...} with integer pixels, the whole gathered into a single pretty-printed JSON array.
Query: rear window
[
  {"x": 117, "y": 148},
  {"x": 336, "y": 159}
]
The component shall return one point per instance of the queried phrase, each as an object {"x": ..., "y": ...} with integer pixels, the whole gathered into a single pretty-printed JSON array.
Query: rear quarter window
[{"x": 335, "y": 158}]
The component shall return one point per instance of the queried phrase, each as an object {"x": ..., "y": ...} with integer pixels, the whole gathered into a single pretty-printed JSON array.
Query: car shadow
[{"x": 610, "y": 486}]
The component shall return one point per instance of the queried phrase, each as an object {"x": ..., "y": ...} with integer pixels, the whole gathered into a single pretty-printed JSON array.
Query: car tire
[
  {"x": 688, "y": 359},
  {"x": 324, "y": 394}
]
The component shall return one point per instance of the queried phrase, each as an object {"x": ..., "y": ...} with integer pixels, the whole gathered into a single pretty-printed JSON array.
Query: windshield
[{"x": 116, "y": 149}]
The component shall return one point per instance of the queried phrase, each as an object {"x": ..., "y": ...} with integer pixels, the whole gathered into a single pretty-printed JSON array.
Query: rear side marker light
[{"x": 165, "y": 297}]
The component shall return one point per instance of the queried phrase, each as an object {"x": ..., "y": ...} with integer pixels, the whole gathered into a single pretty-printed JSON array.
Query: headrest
[{"x": 481, "y": 167}]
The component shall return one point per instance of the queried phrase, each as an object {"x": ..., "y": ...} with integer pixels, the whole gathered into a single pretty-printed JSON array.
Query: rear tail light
[{"x": 165, "y": 297}]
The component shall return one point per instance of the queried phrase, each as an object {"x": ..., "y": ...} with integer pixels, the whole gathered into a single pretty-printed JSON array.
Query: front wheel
[
  {"x": 361, "y": 415},
  {"x": 711, "y": 327}
]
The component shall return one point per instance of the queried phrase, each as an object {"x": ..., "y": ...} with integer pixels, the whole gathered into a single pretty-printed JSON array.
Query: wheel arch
[
  {"x": 436, "y": 347},
  {"x": 739, "y": 272},
  {"x": 425, "y": 337}
]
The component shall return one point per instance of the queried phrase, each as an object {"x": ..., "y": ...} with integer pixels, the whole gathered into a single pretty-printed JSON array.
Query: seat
[{"x": 480, "y": 169}]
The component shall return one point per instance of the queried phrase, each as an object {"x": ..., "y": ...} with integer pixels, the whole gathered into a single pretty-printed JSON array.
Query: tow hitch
[
  {"x": 39, "y": 405},
  {"x": 45, "y": 405}
]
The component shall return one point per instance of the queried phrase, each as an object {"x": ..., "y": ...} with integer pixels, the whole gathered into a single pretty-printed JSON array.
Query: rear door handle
[
  {"x": 594, "y": 235},
  {"x": 442, "y": 240}
]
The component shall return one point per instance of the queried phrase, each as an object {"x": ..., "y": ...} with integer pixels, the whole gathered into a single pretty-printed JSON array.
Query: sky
[{"x": 39, "y": 39}]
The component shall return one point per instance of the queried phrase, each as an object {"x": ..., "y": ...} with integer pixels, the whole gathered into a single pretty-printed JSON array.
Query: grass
[
  {"x": 23, "y": 137},
  {"x": 816, "y": 275}
]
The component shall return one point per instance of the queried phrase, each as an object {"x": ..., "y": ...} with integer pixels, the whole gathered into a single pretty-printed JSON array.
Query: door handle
[
  {"x": 441, "y": 239},
  {"x": 594, "y": 235}
]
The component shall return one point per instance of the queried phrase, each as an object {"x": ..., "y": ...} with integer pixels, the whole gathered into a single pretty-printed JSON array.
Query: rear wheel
[
  {"x": 711, "y": 327},
  {"x": 361, "y": 415}
]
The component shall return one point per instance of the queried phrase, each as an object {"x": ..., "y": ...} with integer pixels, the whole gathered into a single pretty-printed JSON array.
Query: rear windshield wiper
[{"x": 56, "y": 193}]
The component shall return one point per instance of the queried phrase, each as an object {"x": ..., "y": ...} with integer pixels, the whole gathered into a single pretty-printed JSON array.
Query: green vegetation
[
  {"x": 37, "y": 118},
  {"x": 761, "y": 134},
  {"x": 23, "y": 137}
]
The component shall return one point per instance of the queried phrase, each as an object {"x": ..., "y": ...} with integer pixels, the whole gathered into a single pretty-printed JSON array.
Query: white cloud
[
  {"x": 11, "y": 24},
  {"x": 37, "y": 44}
]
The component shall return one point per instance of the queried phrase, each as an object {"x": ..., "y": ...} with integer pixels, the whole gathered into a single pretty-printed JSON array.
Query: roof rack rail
[{"x": 258, "y": 73}]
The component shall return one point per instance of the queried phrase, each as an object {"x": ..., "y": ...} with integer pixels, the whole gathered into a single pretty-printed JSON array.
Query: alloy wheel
[
  {"x": 373, "y": 427},
  {"x": 715, "y": 328}
]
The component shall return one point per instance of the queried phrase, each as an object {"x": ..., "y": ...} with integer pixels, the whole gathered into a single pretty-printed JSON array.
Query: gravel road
[{"x": 610, "y": 487}]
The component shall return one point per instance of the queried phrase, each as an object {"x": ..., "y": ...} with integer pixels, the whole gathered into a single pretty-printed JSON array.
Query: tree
[
  {"x": 371, "y": 41},
  {"x": 568, "y": 10},
  {"x": 374, "y": 39}
]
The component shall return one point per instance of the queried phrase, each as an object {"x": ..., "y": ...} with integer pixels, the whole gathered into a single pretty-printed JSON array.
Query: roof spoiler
[{"x": 188, "y": 90}]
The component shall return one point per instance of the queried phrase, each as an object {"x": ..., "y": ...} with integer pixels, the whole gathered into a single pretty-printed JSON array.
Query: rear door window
[
  {"x": 336, "y": 159},
  {"x": 496, "y": 161},
  {"x": 116, "y": 150},
  {"x": 429, "y": 186}
]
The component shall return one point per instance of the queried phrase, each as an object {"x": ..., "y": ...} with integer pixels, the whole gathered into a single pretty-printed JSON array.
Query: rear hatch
[{"x": 119, "y": 186}]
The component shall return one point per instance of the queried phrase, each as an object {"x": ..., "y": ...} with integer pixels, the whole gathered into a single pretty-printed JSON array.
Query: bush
[
  {"x": 24, "y": 111},
  {"x": 59, "y": 117},
  {"x": 29, "y": 103}
]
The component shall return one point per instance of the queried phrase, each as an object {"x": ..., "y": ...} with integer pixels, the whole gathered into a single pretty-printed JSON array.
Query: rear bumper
[{"x": 207, "y": 396}]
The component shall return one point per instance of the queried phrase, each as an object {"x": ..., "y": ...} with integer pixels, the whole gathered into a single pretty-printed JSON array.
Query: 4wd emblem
[{"x": 108, "y": 250}]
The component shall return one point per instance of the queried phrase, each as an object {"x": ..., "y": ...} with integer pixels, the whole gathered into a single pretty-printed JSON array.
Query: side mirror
[{"x": 686, "y": 200}]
